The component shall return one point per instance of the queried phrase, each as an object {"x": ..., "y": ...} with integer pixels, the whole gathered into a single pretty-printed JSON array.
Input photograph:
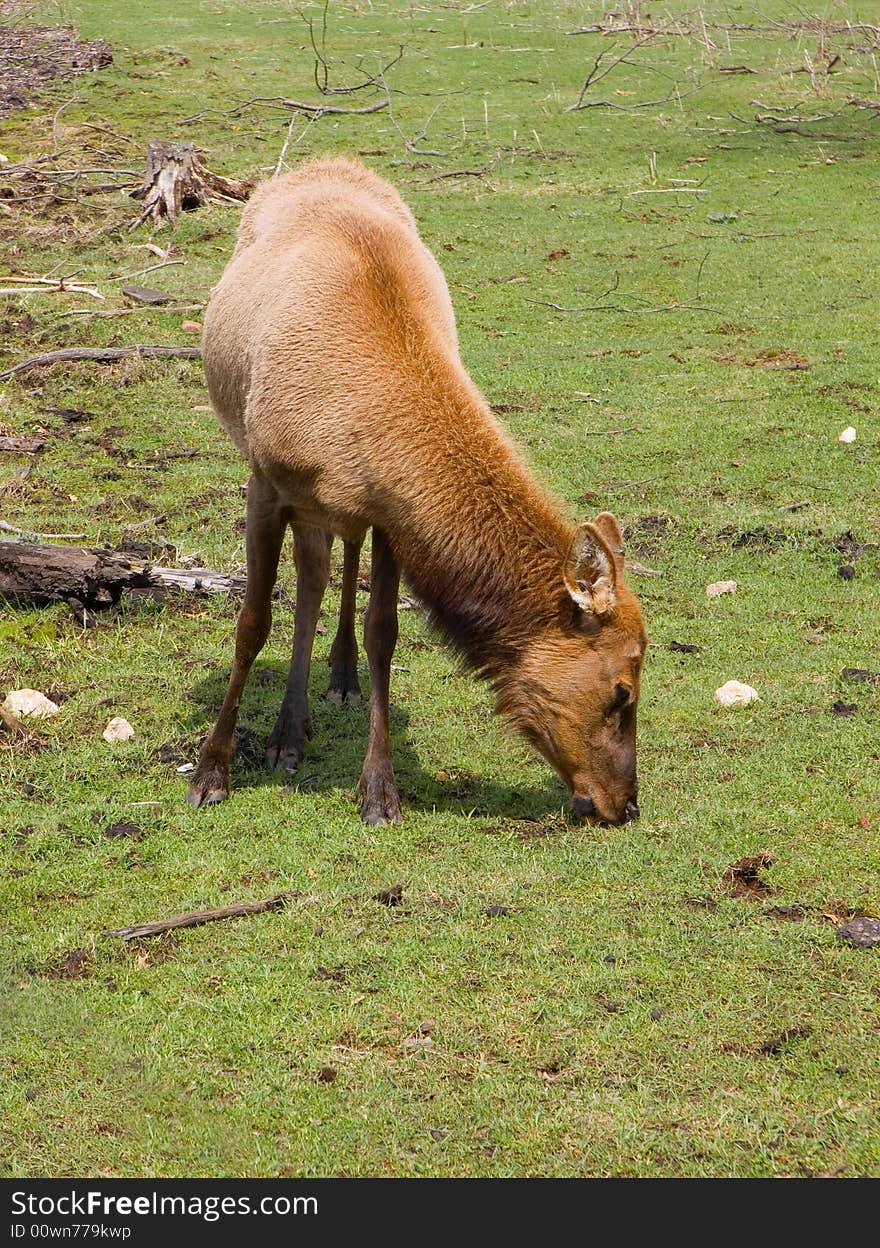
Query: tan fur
[{"x": 331, "y": 355}]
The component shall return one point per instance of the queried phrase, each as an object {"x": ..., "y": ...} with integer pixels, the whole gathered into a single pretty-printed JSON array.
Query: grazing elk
[{"x": 331, "y": 355}]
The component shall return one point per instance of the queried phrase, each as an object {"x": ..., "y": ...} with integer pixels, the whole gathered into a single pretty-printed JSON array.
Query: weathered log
[
  {"x": 177, "y": 181},
  {"x": 37, "y": 574}
]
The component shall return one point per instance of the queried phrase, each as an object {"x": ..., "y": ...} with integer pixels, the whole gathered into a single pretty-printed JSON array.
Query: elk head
[{"x": 575, "y": 689}]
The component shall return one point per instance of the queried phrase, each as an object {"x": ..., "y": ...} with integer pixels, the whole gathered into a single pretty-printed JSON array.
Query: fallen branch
[
  {"x": 47, "y": 286},
  {"x": 314, "y": 110},
  {"x": 194, "y": 917},
  {"x": 103, "y": 355},
  {"x": 460, "y": 173},
  {"x": 594, "y": 76}
]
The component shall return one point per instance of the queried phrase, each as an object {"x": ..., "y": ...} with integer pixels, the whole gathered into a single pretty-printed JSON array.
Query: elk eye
[{"x": 620, "y": 699}]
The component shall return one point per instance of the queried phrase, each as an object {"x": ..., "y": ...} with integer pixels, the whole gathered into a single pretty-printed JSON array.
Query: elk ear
[
  {"x": 590, "y": 571},
  {"x": 610, "y": 530}
]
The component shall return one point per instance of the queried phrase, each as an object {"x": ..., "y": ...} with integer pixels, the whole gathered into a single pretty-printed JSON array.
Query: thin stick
[
  {"x": 166, "y": 308},
  {"x": 299, "y": 137},
  {"x": 101, "y": 354},
  {"x": 11, "y": 528},
  {"x": 315, "y": 110},
  {"x": 194, "y": 917},
  {"x": 165, "y": 264}
]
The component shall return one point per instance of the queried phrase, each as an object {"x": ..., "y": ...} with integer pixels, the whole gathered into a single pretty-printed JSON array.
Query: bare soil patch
[{"x": 31, "y": 56}]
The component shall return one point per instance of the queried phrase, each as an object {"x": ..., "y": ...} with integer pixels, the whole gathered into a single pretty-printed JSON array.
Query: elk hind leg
[
  {"x": 344, "y": 687},
  {"x": 293, "y": 728},
  {"x": 377, "y": 789}
]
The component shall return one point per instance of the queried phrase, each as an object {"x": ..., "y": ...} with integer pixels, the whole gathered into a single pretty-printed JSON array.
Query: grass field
[{"x": 674, "y": 307}]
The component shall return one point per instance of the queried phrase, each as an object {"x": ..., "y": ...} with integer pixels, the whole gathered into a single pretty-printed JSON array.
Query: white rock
[
  {"x": 185, "y": 767},
  {"x": 717, "y": 588},
  {"x": 734, "y": 693},
  {"x": 847, "y": 435},
  {"x": 118, "y": 729},
  {"x": 31, "y": 702}
]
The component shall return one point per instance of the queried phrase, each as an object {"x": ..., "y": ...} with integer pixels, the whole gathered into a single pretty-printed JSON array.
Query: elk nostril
[
  {"x": 632, "y": 810},
  {"x": 582, "y": 808}
]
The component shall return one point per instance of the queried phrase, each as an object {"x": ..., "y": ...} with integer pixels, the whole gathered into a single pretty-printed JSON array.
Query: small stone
[
  {"x": 656, "y": 1014},
  {"x": 734, "y": 693},
  {"x": 118, "y": 729},
  {"x": 846, "y": 572},
  {"x": 847, "y": 435},
  {"x": 717, "y": 588},
  {"x": 863, "y": 933},
  {"x": 414, "y": 1043},
  {"x": 146, "y": 294},
  {"x": 30, "y": 703}
]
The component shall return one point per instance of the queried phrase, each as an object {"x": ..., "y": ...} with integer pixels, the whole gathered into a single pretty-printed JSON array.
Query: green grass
[{"x": 627, "y": 1017}]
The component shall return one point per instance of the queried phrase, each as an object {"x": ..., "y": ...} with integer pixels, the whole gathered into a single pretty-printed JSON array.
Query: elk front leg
[
  {"x": 344, "y": 686},
  {"x": 287, "y": 742},
  {"x": 266, "y": 522},
  {"x": 377, "y": 789}
]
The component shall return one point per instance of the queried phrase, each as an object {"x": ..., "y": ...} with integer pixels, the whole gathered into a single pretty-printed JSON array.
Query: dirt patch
[
  {"x": 31, "y": 56},
  {"x": 761, "y": 538},
  {"x": 644, "y": 535},
  {"x": 782, "y": 358},
  {"x": 71, "y": 965},
  {"x": 778, "y": 1044},
  {"x": 786, "y": 914},
  {"x": 155, "y": 952},
  {"x": 850, "y": 546},
  {"x": 392, "y": 896},
  {"x": 743, "y": 878}
]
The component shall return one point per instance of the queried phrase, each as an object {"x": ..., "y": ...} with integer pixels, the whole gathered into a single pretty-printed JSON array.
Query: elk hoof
[
  {"x": 208, "y": 787},
  {"x": 343, "y": 696},
  {"x": 344, "y": 688},
  {"x": 284, "y": 755},
  {"x": 380, "y": 802}
]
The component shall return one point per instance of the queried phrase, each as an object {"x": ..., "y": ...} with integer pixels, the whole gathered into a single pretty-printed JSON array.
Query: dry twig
[{"x": 194, "y": 917}]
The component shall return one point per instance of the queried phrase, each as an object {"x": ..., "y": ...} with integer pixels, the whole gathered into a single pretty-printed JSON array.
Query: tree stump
[{"x": 177, "y": 181}]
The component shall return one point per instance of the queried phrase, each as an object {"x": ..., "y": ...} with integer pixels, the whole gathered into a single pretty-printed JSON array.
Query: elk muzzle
[{"x": 584, "y": 810}]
